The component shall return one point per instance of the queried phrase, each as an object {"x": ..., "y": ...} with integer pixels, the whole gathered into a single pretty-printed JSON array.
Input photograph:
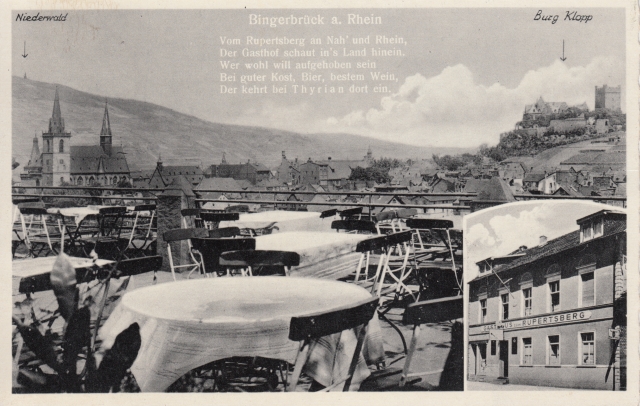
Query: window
[
  {"x": 587, "y": 289},
  {"x": 493, "y": 347},
  {"x": 504, "y": 306},
  {"x": 528, "y": 301},
  {"x": 61, "y": 180},
  {"x": 591, "y": 229},
  {"x": 61, "y": 146},
  {"x": 527, "y": 351},
  {"x": 61, "y": 162},
  {"x": 588, "y": 349},
  {"x": 514, "y": 345},
  {"x": 483, "y": 310},
  {"x": 554, "y": 296},
  {"x": 47, "y": 146},
  {"x": 553, "y": 351},
  {"x": 79, "y": 182}
]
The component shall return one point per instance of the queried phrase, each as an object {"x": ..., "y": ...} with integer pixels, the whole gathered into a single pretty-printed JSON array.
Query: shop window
[
  {"x": 554, "y": 296},
  {"x": 527, "y": 298},
  {"x": 493, "y": 347},
  {"x": 587, "y": 289},
  {"x": 504, "y": 306},
  {"x": 483, "y": 310},
  {"x": 527, "y": 351},
  {"x": 553, "y": 350},
  {"x": 588, "y": 349}
]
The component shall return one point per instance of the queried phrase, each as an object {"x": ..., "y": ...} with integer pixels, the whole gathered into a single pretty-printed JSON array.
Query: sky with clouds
[
  {"x": 465, "y": 77},
  {"x": 503, "y": 229}
]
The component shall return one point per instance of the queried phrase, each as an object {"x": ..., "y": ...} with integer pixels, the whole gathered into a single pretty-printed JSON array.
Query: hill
[{"x": 144, "y": 129}]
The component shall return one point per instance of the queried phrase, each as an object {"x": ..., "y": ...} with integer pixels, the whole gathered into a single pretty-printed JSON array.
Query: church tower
[
  {"x": 105, "y": 133},
  {"x": 56, "y": 157}
]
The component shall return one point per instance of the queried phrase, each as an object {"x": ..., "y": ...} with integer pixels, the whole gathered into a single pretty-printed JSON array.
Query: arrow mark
[
  {"x": 563, "y": 58},
  {"x": 24, "y": 53}
]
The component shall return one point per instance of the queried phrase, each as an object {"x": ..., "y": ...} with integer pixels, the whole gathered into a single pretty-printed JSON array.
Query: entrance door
[{"x": 504, "y": 359}]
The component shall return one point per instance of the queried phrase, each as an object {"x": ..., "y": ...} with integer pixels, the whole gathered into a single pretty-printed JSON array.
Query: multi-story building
[{"x": 554, "y": 314}]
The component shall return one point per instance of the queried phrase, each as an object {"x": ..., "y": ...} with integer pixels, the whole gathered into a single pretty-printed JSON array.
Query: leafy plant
[{"x": 78, "y": 342}]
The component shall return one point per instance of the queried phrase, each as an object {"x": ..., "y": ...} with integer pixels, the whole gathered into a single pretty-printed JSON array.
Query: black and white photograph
[
  {"x": 547, "y": 297},
  {"x": 271, "y": 198}
]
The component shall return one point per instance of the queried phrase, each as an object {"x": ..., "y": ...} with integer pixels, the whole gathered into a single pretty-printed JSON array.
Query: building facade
[
  {"x": 60, "y": 163},
  {"x": 555, "y": 314}
]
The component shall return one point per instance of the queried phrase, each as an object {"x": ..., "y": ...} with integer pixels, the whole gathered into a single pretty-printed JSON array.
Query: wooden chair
[
  {"x": 248, "y": 261},
  {"x": 185, "y": 234},
  {"x": 308, "y": 329},
  {"x": 328, "y": 213},
  {"x": 225, "y": 232},
  {"x": 430, "y": 258},
  {"x": 355, "y": 226},
  {"x": 142, "y": 230},
  {"x": 428, "y": 311},
  {"x": 351, "y": 213},
  {"x": 42, "y": 232},
  {"x": 212, "y": 220},
  {"x": 210, "y": 250}
]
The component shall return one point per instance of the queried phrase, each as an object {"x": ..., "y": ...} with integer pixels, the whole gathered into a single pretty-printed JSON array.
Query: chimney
[{"x": 543, "y": 241}]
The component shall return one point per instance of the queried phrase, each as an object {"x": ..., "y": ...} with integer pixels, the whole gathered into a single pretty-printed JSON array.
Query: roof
[
  {"x": 494, "y": 189},
  {"x": 87, "y": 159},
  {"x": 533, "y": 177},
  {"x": 553, "y": 247}
]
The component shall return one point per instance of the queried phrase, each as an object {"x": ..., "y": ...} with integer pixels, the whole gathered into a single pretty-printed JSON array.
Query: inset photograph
[{"x": 547, "y": 297}]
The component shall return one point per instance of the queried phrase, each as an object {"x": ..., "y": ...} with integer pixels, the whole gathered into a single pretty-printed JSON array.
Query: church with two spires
[{"x": 60, "y": 163}]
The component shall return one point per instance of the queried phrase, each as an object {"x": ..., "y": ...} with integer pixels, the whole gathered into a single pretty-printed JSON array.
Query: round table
[{"x": 187, "y": 324}]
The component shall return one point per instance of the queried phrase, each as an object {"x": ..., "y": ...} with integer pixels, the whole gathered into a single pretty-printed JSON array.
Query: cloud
[
  {"x": 452, "y": 109},
  {"x": 479, "y": 235}
]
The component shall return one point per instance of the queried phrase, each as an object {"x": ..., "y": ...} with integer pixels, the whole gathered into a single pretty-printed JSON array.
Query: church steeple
[
  {"x": 35, "y": 152},
  {"x": 105, "y": 133},
  {"x": 56, "y": 123},
  {"x": 106, "y": 125}
]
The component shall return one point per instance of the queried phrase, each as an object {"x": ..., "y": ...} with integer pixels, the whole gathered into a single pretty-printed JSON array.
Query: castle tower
[
  {"x": 369, "y": 156},
  {"x": 224, "y": 158},
  {"x": 56, "y": 157},
  {"x": 608, "y": 97},
  {"x": 105, "y": 133},
  {"x": 35, "y": 152},
  {"x": 159, "y": 162}
]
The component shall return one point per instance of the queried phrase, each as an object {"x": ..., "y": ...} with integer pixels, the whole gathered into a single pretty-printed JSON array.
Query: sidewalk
[{"x": 471, "y": 385}]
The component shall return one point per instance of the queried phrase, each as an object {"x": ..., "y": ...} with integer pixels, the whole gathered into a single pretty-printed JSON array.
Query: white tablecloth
[
  {"x": 31, "y": 267},
  {"x": 326, "y": 255},
  {"x": 188, "y": 324},
  {"x": 285, "y": 221}
]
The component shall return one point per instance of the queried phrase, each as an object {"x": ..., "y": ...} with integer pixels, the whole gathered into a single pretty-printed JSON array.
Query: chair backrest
[
  {"x": 259, "y": 258},
  {"x": 354, "y": 225},
  {"x": 399, "y": 238},
  {"x": 426, "y": 224},
  {"x": 189, "y": 212},
  {"x": 224, "y": 232},
  {"x": 372, "y": 244},
  {"x": 326, "y": 323},
  {"x": 217, "y": 217},
  {"x": 144, "y": 207},
  {"x": 211, "y": 248},
  {"x": 181, "y": 234},
  {"x": 23, "y": 200},
  {"x": 113, "y": 210},
  {"x": 328, "y": 213},
  {"x": 351, "y": 212},
  {"x": 38, "y": 211},
  {"x": 136, "y": 266},
  {"x": 434, "y": 311}
]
